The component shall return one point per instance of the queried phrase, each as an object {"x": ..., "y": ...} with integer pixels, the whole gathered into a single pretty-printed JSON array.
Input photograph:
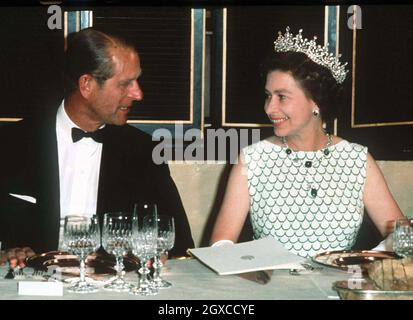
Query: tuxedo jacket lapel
[
  {"x": 43, "y": 171},
  {"x": 128, "y": 175},
  {"x": 117, "y": 183},
  {"x": 29, "y": 167},
  {"x": 48, "y": 179}
]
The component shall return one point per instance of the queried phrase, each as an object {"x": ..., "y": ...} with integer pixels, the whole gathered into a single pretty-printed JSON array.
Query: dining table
[{"x": 192, "y": 280}]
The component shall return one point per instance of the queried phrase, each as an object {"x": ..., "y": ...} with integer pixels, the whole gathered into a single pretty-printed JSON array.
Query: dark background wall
[{"x": 377, "y": 109}]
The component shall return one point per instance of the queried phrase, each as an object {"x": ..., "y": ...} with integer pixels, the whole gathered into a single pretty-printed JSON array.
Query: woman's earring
[{"x": 316, "y": 112}]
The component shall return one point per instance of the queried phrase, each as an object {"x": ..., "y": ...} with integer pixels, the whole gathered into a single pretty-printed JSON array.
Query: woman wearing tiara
[{"x": 303, "y": 186}]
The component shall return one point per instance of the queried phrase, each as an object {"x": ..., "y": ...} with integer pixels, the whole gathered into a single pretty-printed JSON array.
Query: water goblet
[
  {"x": 145, "y": 208},
  {"x": 165, "y": 242},
  {"x": 403, "y": 237},
  {"x": 116, "y": 239},
  {"x": 81, "y": 236},
  {"x": 144, "y": 239}
]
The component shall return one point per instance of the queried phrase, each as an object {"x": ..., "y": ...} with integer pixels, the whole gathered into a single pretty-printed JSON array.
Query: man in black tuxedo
[{"x": 83, "y": 158}]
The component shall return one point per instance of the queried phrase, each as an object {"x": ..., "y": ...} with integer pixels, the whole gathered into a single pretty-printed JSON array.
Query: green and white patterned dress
[{"x": 309, "y": 201}]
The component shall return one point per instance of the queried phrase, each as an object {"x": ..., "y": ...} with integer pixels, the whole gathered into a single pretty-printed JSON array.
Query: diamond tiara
[{"x": 314, "y": 51}]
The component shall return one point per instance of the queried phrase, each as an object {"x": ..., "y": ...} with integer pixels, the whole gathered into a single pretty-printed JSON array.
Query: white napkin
[{"x": 385, "y": 245}]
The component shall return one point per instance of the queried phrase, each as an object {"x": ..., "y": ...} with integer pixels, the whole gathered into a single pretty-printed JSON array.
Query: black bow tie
[{"x": 78, "y": 134}]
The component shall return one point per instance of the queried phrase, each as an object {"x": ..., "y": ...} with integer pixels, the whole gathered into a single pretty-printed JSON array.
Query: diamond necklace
[{"x": 310, "y": 165}]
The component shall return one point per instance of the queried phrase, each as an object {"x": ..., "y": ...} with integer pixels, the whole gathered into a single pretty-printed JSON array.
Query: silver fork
[
  {"x": 294, "y": 272},
  {"x": 19, "y": 274},
  {"x": 307, "y": 266},
  {"x": 39, "y": 274}
]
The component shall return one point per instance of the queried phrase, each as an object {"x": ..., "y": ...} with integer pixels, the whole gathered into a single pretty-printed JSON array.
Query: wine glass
[
  {"x": 145, "y": 208},
  {"x": 144, "y": 239},
  {"x": 165, "y": 242},
  {"x": 403, "y": 237},
  {"x": 81, "y": 236},
  {"x": 116, "y": 239}
]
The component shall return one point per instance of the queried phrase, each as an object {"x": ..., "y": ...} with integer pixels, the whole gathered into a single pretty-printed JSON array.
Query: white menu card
[{"x": 262, "y": 254}]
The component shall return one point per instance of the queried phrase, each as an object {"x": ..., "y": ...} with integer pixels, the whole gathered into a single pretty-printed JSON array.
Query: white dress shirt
[{"x": 79, "y": 167}]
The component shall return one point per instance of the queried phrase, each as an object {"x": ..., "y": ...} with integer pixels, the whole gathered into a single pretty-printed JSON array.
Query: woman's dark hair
[
  {"x": 317, "y": 81},
  {"x": 88, "y": 53}
]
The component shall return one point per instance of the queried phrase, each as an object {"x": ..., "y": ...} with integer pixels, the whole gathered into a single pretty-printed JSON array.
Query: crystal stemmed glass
[
  {"x": 403, "y": 237},
  {"x": 144, "y": 239},
  {"x": 81, "y": 236},
  {"x": 165, "y": 242},
  {"x": 145, "y": 208},
  {"x": 116, "y": 239}
]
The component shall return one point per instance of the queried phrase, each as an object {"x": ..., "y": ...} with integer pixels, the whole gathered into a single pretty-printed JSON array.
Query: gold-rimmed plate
[
  {"x": 100, "y": 263},
  {"x": 344, "y": 259},
  {"x": 366, "y": 290},
  {"x": 42, "y": 260}
]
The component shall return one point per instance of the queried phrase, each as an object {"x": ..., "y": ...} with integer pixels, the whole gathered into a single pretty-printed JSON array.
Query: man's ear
[{"x": 86, "y": 85}]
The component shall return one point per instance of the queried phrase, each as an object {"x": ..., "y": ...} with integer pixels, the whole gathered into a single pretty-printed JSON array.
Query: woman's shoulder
[
  {"x": 341, "y": 144},
  {"x": 265, "y": 145}
]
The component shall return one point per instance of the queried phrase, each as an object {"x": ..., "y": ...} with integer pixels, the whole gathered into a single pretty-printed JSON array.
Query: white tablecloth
[{"x": 193, "y": 281}]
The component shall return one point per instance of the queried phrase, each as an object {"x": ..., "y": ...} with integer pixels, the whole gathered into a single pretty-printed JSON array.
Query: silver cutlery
[
  {"x": 19, "y": 274},
  {"x": 307, "y": 266},
  {"x": 294, "y": 272},
  {"x": 39, "y": 274}
]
